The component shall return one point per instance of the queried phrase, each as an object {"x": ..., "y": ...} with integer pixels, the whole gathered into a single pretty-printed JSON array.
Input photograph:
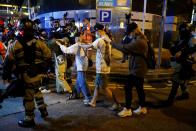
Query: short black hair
[
  {"x": 72, "y": 21},
  {"x": 98, "y": 27},
  {"x": 131, "y": 27},
  {"x": 86, "y": 19}
]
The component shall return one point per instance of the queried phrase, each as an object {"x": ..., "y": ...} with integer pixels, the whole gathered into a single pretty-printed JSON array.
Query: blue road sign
[{"x": 105, "y": 16}]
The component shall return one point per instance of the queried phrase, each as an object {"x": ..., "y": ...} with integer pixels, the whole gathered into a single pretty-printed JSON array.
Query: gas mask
[
  {"x": 184, "y": 31},
  {"x": 26, "y": 29},
  {"x": 29, "y": 34}
]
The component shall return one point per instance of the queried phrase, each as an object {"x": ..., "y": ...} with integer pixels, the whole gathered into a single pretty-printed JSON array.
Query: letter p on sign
[{"x": 105, "y": 16}]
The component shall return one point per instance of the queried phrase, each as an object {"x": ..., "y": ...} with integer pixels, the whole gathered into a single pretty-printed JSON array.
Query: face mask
[
  {"x": 130, "y": 37},
  {"x": 96, "y": 35}
]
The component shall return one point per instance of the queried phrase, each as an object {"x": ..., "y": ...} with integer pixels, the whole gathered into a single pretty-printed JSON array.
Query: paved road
[{"x": 72, "y": 115}]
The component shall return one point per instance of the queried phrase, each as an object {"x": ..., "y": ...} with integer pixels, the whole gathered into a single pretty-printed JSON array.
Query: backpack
[
  {"x": 126, "y": 40},
  {"x": 107, "y": 56},
  {"x": 187, "y": 72},
  {"x": 150, "y": 57},
  {"x": 90, "y": 62}
]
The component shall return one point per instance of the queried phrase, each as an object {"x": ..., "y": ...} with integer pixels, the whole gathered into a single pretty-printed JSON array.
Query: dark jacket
[
  {"x": 54, "y": 47},
  {"x": 137, "y": 48}
]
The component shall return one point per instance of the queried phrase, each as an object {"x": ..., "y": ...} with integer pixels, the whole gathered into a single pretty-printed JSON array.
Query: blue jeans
[
  {"x": 81, "y": 85},
  {"x": 101, "y": 81}
]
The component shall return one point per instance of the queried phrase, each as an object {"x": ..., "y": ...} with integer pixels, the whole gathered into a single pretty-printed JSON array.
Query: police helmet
[
  {"x": 184, "y": 30},
  {"x": 25, "y": 24}
]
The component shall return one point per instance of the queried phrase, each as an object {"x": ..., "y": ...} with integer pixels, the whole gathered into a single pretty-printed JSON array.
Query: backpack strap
[
  {"x": 85, "y": 51},
  {"x": 85, "y": 54},
  {"x": 106, "y": 46}
]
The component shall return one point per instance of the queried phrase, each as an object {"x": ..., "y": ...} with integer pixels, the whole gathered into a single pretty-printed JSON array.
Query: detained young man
[
  {"x": 103, "y": 50},
  {"x": 81, "y": 60}
]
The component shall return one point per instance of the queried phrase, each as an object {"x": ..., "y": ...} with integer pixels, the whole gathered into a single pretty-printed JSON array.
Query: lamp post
[
  {"x": 162, "y": 31},
  {"x": 144, "y": 16},
  {"x": 29, "y": 10},
  {"x": 128, "y": 15}
]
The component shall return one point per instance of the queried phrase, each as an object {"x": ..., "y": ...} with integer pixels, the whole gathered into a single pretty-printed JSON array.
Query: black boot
[
  {"x": 44, "y": 113},
  {"x": 26, "y": 123},
  {"x": 73, "y": 95},
  {"x": 1, "y": 100},
  {"x": 1, "y": 97},
  {"x": 172, "y": 94},
  {"x": 183, "y": 96}
]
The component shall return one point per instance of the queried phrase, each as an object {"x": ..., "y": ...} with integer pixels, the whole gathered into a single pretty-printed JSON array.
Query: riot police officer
[
  {"x": 30, "y": 57},
  {"x": 182, "y": 63}
]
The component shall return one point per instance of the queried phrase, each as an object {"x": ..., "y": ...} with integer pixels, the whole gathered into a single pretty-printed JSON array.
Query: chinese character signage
[{"x": 105, "y": 3}]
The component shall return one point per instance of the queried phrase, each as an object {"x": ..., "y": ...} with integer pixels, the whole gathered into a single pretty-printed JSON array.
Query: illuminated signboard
[
  {"x": 106, "y": 3},
  {"x": 121, "y": 2},
  {"x": 105, "y": 16}
]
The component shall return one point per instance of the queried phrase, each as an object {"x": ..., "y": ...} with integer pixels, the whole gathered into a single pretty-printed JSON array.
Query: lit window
[{"x": 122, "y": 24}]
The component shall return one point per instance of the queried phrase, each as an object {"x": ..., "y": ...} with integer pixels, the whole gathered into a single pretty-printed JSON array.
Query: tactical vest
[
  {"x": 29, "y": 59},
  {"x": 87, "y": 36}
]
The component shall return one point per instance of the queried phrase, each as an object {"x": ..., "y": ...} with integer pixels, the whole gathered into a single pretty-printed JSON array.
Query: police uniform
[
  {"x": 182, "y": 63},
  {"x": 15, "y": 55}
]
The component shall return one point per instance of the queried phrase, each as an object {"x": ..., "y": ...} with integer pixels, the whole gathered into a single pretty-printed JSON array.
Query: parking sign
[{"x": 105, "y": 16}]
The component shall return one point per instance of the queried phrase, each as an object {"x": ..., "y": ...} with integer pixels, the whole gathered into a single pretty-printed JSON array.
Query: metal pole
[
  {"x": 97, "y": 1},
  {"x": 29, "y": 11},
  {"x": 7, "y": 7},
  {"x": 193, "y": 14},
  {"x": 144, "y": 16},
  {"x": 131, "y": 5},
  {"x": 162, "y": 32}
]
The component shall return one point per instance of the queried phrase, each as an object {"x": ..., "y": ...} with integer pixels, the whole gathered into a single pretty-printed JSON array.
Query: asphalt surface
[{"x": 72, "y": 115}]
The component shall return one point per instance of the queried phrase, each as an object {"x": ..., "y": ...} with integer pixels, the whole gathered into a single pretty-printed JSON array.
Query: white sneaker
[
  {"x": 86, "y": 101},
  {"x": 140, "y": 110},
  {"x": 45, "y": 91},
  {"x": 125, "y": 112}
]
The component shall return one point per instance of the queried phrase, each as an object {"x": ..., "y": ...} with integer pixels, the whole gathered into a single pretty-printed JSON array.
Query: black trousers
[
  {"x": 134, "y": 81},
  {"x": 174, "y": 90}
]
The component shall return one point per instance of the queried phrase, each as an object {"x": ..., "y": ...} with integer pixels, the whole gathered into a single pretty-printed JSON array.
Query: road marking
[
  {"x": 146, "y": 86},
  {"x": 192, "y": 82},
  {"x": 119, "y": 86}
]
